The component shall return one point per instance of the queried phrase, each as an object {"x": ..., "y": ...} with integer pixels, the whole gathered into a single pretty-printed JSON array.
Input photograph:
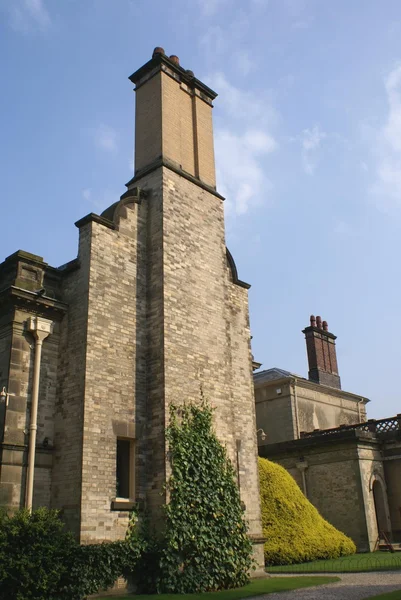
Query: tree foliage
[
  {"x": 294, "y": 529},
  {"x": 205, "y": 545}
]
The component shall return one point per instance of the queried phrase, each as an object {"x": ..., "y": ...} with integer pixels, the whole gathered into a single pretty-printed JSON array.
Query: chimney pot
[
  {"x": 175, "y": 59},
  {"x": 313, "y": 321},
  {"x": 190, "y": 73},
  {"x": 158, "y": 50},
  {"x": 319, "y": 322},
  {"x": 325, "y": 326}
]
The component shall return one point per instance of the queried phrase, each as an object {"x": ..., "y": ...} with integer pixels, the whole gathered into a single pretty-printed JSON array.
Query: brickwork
[
  {"x": 115, "y": 377},
  {"x": 173, "y": 122},
  {"x": 151, "y": 313},
  {"x": 205, "y": 148},
  {"x": 68, "y": 422},
  {"x": 148, "y": 119},
  {"x": 178, "y": 128},
  {"x": 322, "y": 357}
]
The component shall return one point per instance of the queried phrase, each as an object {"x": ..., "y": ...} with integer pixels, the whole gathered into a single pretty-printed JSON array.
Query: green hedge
[
  {"x": 294, "y": 529},
  {"x": 39, "y": 560}
]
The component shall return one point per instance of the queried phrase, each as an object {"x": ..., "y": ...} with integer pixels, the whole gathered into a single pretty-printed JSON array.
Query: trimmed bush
[
  {"x": 294, "y": 529},
  {"x": 39, "y": 560},
  {"x": 205, "y": 545}
]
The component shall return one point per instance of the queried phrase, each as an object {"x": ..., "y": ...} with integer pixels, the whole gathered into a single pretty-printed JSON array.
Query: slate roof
[{"x": 272, "y": 374}]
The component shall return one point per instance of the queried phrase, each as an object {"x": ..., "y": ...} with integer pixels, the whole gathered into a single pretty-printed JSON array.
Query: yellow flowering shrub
[{"x": 294, "y": 529}]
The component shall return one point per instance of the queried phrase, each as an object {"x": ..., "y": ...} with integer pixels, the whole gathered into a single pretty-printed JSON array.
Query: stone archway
[
  {"x": 378, "y": 489},
  {"x": 380, "y": 506}
]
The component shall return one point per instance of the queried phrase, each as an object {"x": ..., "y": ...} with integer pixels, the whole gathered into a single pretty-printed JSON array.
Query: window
[{"x": 125, "y": 469}]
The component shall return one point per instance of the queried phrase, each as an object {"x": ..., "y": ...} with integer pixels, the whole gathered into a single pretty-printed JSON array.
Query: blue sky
[{"x": 308, "y": 151}]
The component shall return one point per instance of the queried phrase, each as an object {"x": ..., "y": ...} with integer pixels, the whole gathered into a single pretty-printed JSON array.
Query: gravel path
[{"x": 353, "y": 586}]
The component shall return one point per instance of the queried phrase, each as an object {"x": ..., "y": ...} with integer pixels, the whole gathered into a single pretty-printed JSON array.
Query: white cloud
[
  {"x": 105, "y": 138},
  {"x": 240, "y": 104},
  {"x": 28, "y": 15},
  {"x": 388, "y": 146},
  {"x": 244, "y": 63},
  {"x": 86, "y": 194},
  {"x": 210, "y": 7},
  {"x": 311, "y": 140},
  {"x": 243, "y": 140},
  {"x": 240, "y": 172},
  {"x": 214, "y": 41},
  {"x": 100, "y": 200}
]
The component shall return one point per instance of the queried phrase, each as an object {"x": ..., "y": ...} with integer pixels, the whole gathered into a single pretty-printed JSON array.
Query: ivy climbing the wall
[{"x": 205, "y": 545}]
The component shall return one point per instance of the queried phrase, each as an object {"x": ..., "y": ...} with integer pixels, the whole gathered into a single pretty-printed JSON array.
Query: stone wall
[
  {"x": 376, "y": 509},
  {"x": 285, "y": 408},
  {"x": 392, "y": 472},
  {"x": 115, "y": 369},
  {"x": 275, "y": 413},
  {"x": 322, "y": 408},
  {"x": 68, "y": 422}
]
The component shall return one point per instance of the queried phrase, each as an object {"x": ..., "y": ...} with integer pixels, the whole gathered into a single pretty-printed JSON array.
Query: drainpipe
[
  {"x": 41, "y": 329},
  {"x": 294, "y": 387},
  {"x": 302, "y": 465}
]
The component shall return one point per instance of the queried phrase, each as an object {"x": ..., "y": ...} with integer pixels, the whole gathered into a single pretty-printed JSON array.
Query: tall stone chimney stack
[
  {"x": 173, "y": 119},
  {"x": 322, "y": 357}
]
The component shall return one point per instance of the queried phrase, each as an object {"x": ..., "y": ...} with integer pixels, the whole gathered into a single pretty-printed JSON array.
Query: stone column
[{"x": 41, "y": 329}]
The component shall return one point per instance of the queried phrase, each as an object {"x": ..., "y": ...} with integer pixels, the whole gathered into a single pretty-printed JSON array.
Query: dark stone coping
[
  {"x": 234, "y": 271},
  {"x": 121, "y": 505},
  {"x": 53, "y": 273},
  {"x": 68, "y": 267},
  {"x": 97, "y": 219},
  {"x": 353, "y": 436},
  {"x": 183, "y": 74},
  {"x": 320, "y": 331},
  {"x": 165, "y": 162},
  {"x": 27, "y": 256}
]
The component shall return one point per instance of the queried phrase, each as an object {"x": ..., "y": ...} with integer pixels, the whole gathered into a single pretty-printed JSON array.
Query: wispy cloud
[
  {"x": 86, "y": 194},
  {"x": 105, "y": 138},
  {"x": 241, "y": 149},
  {"x": 388, "y": 183},
  {"x": 28, "y": 15},
  {"x": 242, "y": 105},
  {"x": 240, "y": 173},
  {"x": 210, "y": 7},
  {"x": 100, "y": 200},
  {"x": 311, "y": 140}
]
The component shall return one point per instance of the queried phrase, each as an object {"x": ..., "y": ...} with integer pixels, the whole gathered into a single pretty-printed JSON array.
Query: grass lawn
[
  {"x": 255, "y": 588},
  {"x": 389, "y": 596},
  {"x": 374, "y": 561}
]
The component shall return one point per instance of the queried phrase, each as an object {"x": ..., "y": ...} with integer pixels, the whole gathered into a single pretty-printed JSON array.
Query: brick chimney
[{"x": 322, "y": 358}]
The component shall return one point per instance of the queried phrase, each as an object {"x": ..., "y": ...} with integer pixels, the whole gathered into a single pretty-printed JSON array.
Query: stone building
[
  {"x": 150, "y": 313},
  {"x": 348, "y": 467}
]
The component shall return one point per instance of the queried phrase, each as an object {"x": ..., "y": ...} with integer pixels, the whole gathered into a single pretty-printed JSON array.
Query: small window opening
[{"x": 125, "y": 469}]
